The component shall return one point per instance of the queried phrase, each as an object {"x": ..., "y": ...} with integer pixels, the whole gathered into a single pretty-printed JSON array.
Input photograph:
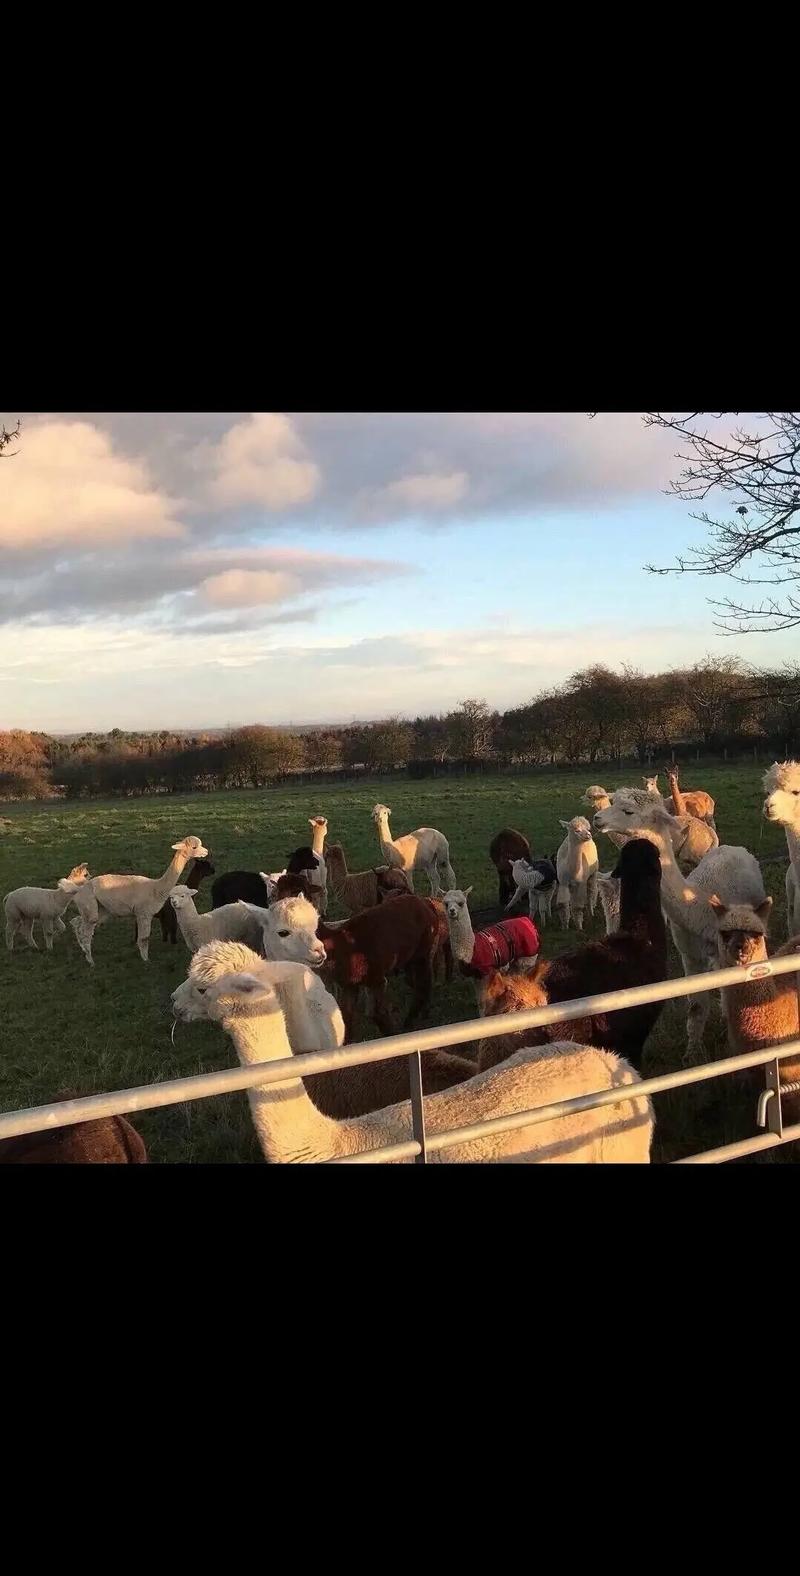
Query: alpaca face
[
  {"x": 741, "y": 932},
  {"x": 379, "y": 811},
  {"x": 783, "y": 804},
  {"x": 651, "y": 785},
  {"x": 290, "y": 932},
  {"x": 191, "y": 847},
  {"x": 181, "y": 896},
  {"x": 455, "y": 903},
  {"x": 579, "y": 829}
]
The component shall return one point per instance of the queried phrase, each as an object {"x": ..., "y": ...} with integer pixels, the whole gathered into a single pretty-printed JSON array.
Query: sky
[{"x": 190, "y": 570}]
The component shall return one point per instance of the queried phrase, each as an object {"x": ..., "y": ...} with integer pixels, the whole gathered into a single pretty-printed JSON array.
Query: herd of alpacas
[{"x": 282, "y": 979}]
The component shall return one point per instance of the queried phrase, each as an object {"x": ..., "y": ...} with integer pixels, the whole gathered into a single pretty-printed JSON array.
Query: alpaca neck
[
  {"x": 318, "y": 839},
  {"x": 640, "y": 914},
  {"x": 301, "y": 1028},
  {"x": 288, "y": 1124},
  {"x": 678, "y": 801},
  {"x": 62, "y": 901},
  {"x": 793, "y": 845},
  {"x": 187, "y": 917},
  {"x": 680, "y": 903},
  {"x": 163, "y": 886},
  {"x": 337, "y": 874},
  {"x": 462, "y": 939}
]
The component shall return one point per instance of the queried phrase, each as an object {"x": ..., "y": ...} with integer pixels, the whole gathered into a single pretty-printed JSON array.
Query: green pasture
[{"x": 67, "y": 1026}]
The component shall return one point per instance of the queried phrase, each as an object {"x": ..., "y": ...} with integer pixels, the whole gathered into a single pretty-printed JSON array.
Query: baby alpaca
[
  {"x": 538, "y": 878},
  {"x": 577, "y": 867},
  {"x": 232, "y": 922},
  {"x": 25, "y": 905}
]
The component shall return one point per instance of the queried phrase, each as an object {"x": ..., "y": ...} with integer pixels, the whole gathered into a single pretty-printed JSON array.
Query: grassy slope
[{"x": 68, "y": 1026}]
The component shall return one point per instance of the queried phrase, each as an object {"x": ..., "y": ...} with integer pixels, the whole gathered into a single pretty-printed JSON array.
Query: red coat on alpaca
[{"x": 501, "y": 944}]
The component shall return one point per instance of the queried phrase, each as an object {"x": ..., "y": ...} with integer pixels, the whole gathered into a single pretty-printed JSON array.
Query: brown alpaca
[
  {"x": 443, "y": 956},
  {"x": 109, "y": 1141},
  {"x": 505, "y": 847},
  {"x": 760, "y": 1012},
  {"x": 694, "y": 802},
  {"x": 636, "y": 954}
]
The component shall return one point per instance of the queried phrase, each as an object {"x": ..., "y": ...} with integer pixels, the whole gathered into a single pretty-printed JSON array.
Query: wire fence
[{"x": 413, "y": 1045}]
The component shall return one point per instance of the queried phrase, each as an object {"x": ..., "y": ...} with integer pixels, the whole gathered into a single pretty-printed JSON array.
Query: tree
[
  {"x": 258, "y": 754},
  {"x": 755, "y": 470},
  {"x": 470, "y": 730},
  {"x": 7, "y": 438}
]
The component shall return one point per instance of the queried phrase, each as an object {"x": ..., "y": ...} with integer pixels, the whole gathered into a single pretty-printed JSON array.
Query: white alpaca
[
  {"x": 782, "y": 804},
  {"x": 425, "y": 849},
  {"x": 651, "y": 787},
  {"x": 291, "y": 1129},
  {"x": 691, "y": 838},
  {"x": 25, "y": 905},
  {"x": 540, "y": 892},
  {"x": 111, "y": 896},
  {"x": 609, "y": 888},
  {"x": 730, "y": 872},
  {"x": 289, "y": 931},
  {"x": 319, "y": 831},
  {"x": 510, "y": 942},
  {"x": 313, "y": 1019},
  {"x": 578, "y": 867},
  {"x": 230, "y": 922}
]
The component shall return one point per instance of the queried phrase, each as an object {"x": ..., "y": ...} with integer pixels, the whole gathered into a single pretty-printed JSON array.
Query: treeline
[{"x": 597, "y": 716}]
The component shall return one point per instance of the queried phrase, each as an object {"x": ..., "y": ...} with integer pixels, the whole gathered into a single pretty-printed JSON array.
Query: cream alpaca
[
  {"x": 357, "y": 889},
  {"x": 425, "y": 849},
  {"x": 760, "y": 1012},
  {"x": 231, "y": 922},
  {"x": 782, "y": 804},
  {"x": 578, "y": 867},
  {"x": 25, "y": 905},
  {"x": 313, "y": 1020},
  {"x": 728, "y": 870},
  {"x": 694, "y": 801},
  {"x": 109, "y": 897},
  {"x": 291, "y": 1129}
]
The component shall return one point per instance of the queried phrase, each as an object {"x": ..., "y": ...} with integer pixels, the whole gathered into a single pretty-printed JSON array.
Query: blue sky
[{"x": 191, "y": 569}]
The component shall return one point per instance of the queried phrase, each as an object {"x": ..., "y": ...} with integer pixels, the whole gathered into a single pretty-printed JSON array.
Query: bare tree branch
[{"x": 5, "y": 439}]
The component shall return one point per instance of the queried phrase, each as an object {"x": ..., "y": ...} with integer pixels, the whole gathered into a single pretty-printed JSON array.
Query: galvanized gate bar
[
  {"x": 417, "y": 1105},
  {"x": 745, "y": 1146}
]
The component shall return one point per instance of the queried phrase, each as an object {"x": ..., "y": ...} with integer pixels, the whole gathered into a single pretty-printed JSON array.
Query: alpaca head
[
  {"x": 239, "y": 995},
  {"x": 318, "y": 820},
  {"x": 182, "y": 897},
  {"x": 191, "y": 847},
  {"x": 302, "y": 859},
  {"x": 79, "y": 873},
  {"x": 455, "y": 903},
  {"x": 596, "y": 797},
  {"x": 630, "y": 818},
  {"x": 208, "y": 964},
  {"x": 290, "y": 931},
  {"x": 525, "y": 875},
  {"x": 638, "y": 861},
  {"x": 741, "y": 932},
  {"x": 379, "y": 811},
  {"x": 578, "y": 829},
  {"x": 203, "y": 867},
  {"x": 782, "y": 787},
  {"x": 651, "y": 785}
]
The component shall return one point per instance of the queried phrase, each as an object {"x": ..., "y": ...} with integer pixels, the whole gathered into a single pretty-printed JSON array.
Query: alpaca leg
[
  {"x": 27, "y": 931},
  {"x": 59, "y": 923},
  {"x": 381, "y": 1012},
  {"x": 448, "y": 876},
  {"x": 562, "y": 905},
  {"x": 348, "y": 997},
  {"x": 11, "y": 926},
  {"x": 47, "y": 931},
  {"x": 144, "y": 921},
  {"x": 420, "y": 977},
  {"x": 516, "y": 898},
  {"x": 578, "y": 904},
  {"x": 84, "y": 932},
  {"x": 697, "y": 1013},
  {"x": 591, "y": 893},
  {"x": 432, "y": 873}
]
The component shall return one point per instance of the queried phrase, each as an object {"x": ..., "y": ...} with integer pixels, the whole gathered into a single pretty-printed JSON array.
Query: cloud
[
  {"x": 67, "y": 485},
  {"x": 261, "y": 460},
  {"x": 182, "y": 586},
  {"x": 414, "y": 494}
]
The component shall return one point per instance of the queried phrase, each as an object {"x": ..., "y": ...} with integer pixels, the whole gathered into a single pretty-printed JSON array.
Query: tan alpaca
[
  {"x": 693, "y": 802},
  {"x": 759, "y": 1012}
]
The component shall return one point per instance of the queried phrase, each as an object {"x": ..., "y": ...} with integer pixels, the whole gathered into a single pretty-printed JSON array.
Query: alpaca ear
[
  {"x": 467, "y": 891},
  {"x": 718, "y": 906},
  {"x": 764, "y": 908},
  {"x": 178, "y": 848},
  {"x": 246, "y": 985},
  {"x": 564, "y": 823}
]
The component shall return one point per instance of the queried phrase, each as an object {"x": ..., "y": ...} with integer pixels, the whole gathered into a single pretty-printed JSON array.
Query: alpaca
[
  {"x": 505, "y": 847},
  {"x": 577, "y": 866},
  {"x": 232, "y": 922},
  {"x": 634, "y": 955},
  {"x": 728, "y": 870},
  {"x": 107, "y": 897},
  {"x": 199, "y": 869},
  {"x": 25, "y": 905},
  {"x": 291, "y": 1129},
  {"x": 110, "y": 1140},
  {"x": 538, "y": 878},
  {"x": 313, "y": 1019},
  {"x": 694, "y": 802},
  {"x": 493, "y": 948},
  {"x": 361, "y": 889},
  {"x": 319, "y": 831},
  {"x": 425, "y": 849},
  {"x": 763, "y": 1011},
  {"x": 691, "y": 838},
  {"x": 402, "y": 935},
  {"x": 782, "y": 805},
  {"x": 651, "y": 787},
  {"x": 608, "y": 888},
  {"x": 314, "y": 1023}
]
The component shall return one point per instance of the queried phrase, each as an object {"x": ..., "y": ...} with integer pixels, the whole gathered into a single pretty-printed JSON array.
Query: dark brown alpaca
[
  {"x": 401, "y": 936},
  {"x": 504, "y": 847},
  {"x": 635, "y": 955},
  {"x": 110, "y": 1141}
]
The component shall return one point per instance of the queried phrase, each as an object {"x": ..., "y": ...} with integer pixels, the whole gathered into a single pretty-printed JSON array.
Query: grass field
[{"x": 66, "y": 1025}]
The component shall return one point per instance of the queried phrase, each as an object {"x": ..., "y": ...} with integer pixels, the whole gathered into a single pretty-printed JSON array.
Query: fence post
[
  {"x": 774, "y": 1110},
  {"x": 417, "y": 1107}
]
